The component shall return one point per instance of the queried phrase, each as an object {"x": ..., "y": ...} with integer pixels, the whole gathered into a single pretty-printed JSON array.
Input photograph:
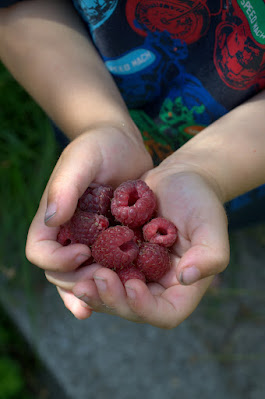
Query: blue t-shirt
[{"x": 179, "y": 64}]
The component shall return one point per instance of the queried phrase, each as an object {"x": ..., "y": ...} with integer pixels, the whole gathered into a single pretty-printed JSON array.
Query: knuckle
[
  {"x": 109, "y": 307},
  {"x": 66, "y": 151},
  {"x": 135, "y": 307},
  {"x": 30, "y": 254},
  {"x": 55, "y": 184},
  {"x": 141, "y": 313},
  {"x": 168, "y": 325},
  {"x": 222, "y": 261}
]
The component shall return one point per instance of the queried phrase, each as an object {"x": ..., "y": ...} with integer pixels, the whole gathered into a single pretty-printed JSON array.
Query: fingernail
[
  {"x": 81, "y": 258},
  {"x": 50, "y": 212},
  {"x": 130, "y": 292},
  {"x": 189, "y": 275},
  {"x": 100, "y": 283}
]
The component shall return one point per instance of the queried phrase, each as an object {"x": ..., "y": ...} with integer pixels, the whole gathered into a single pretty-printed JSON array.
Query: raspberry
[
  {"x": 83, "y": 228},
  {"x": 65, "y": 235},
  {"x": 160, "y": 231},
  {"x": 130, "y": 272},
  {"x": 115, "y": 248},
  {"x": 138, "y": 235},
  {"x": 96, "y": 199},
  {"x": 133, "y": 203},
  {"x": 153, "y": 260}
]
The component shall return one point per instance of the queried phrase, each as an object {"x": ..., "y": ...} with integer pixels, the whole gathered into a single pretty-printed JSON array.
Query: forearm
[
  {"x": 46, "y": 48},
  {"x": 231, "y": 151}
]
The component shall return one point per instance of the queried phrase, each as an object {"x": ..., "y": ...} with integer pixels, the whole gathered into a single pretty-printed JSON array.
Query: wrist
[
  {"x": 188, "y": 163},
  {"x": 119, "y": 150},
  {"x": 231, "y": 151},
  {"x": 120, "y": 123}
]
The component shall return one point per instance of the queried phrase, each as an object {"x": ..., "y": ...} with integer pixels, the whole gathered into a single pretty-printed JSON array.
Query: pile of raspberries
[{"x": 121, "y": 229}]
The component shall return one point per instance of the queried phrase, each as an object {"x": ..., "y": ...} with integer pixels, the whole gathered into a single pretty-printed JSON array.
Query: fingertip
[
  {"x": 75, "y": 170},
  {"x": 62, "y": 213},
  {"x": 80, "y": 310},
  {"x": 200, "y": 262},
  {"x": 82, "y": 258},
  {"x": 51, "y": 256},
  {"x": 135, "y": 289},
  {"x": 141, "y": 302},
  {"x": 189, "y": 275},
  {"x": 85, "y": 287},
  {"x": 106, "y": 274},
  {"x": 83, "y": 312},
  {"x": 50, "y": 213},
  {"x": 77, "y": 307},
  {"x": 73, "y": 256},
  {"x": 62, "y": 201},
  {"x": 130, "y": 292}
]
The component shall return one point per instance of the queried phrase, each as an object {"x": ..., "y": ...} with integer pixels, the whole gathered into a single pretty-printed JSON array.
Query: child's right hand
[
  {"x": 103, "y": 154},
  {"x": 192, "y": 201}
]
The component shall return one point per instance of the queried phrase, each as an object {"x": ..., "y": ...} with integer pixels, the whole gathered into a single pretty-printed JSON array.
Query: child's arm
[
  {"x": 46, "y": 47},
  {"x": 231, "y": 151},
  {"x": 230, "y": 156},
  {"x": 192, "y": 185}
]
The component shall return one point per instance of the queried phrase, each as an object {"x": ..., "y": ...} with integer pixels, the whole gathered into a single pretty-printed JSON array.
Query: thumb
[
  {"x": 77, "y": 167},
  {"x": 208, "y": 255}
]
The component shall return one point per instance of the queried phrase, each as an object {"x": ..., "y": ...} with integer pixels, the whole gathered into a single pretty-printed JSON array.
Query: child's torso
[{"x": 179, "y": 64}]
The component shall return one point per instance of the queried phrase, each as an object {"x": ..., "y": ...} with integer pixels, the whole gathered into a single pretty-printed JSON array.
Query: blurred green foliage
[
  {"x": 13, "y": 372},
  {"x": 11, "y": 379},
  {"x": 28, "y": 153}
]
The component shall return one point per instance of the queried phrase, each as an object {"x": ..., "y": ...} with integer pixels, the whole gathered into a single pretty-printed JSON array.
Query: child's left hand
[{"x": 190, "y": 201}]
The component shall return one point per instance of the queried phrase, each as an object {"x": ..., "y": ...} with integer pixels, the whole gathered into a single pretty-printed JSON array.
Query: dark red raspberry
[
  {"x": 65, "y": 235},
  {"x": 83, "y": 228},
  {"x": 138, "y": 234},
  {"x": 160, "y": 231},
  {"x": 130, "y": 272},
  {"x": 153, "y": 260},
  {"x": 96, "y": 199},
  {"x": 115, "y": 248},
  {"x": 133, "y": 203}
]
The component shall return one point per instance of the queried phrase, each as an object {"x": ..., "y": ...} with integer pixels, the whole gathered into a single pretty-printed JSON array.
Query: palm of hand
[
  {"x": 189, "y": 202},
  {"x": 104, "y": 154}
]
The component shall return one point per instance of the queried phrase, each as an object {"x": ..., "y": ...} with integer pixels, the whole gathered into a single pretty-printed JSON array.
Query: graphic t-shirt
[{"x": 179, "y": 64}]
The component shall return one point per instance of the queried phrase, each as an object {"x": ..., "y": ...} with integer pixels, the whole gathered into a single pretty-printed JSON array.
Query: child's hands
[
  {"x": 190, "y": 201},
  {"x": 105, "y": 155}
]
